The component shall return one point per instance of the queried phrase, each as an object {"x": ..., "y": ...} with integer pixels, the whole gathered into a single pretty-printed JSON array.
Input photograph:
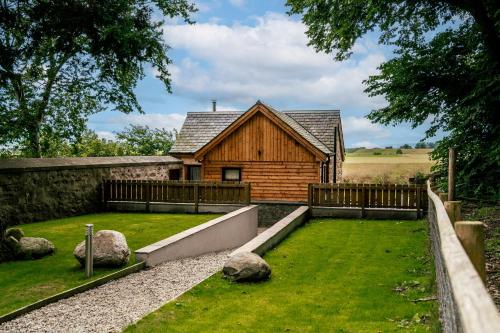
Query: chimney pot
[{"x": 214, "y": 105}]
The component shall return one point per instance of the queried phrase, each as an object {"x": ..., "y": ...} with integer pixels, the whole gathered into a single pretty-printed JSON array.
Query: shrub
[
  {"x": 377, "y": 153},
  {"x": 399, "y": 151}
]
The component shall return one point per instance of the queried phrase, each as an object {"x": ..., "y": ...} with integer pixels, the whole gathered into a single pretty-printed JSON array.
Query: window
[
  {"x": 194, "y": 172},
  {"x": 231, "y": 174}
]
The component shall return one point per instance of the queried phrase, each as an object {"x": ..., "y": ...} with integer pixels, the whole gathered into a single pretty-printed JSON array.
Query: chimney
[{"x": 214, "y": 105}]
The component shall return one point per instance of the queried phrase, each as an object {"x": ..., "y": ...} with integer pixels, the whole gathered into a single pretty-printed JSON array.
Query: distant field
[{"x": 385, "y": 165}]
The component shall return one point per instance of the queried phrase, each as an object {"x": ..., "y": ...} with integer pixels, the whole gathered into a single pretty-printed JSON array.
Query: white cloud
[
  {"x": 153, "y": 120},
  {"x": 269, "y": 61},
  {"x": 360, "y": 127},
  {"x": 106, "y": 135},
  {"x": 237, "y": 3},
  {"x": 366, "y": 144}
]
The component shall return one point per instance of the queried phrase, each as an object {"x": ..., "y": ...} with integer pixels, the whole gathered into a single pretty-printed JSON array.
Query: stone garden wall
[{"x": 40, "y": 189}]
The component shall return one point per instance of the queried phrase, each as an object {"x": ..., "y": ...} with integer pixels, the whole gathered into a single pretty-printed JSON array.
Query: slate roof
[{"x": 316, "y": 126}]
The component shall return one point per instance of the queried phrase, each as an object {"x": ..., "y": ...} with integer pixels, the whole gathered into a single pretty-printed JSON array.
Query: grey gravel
[{"x": 117, "y": 304}]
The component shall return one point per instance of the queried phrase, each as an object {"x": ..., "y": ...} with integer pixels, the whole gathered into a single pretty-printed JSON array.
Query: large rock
[
  {"x": 110, "y": 249},
  {"x": 246, "y": 266},
  {"x": 34, "y": 247},
  {"x": 14, "y": 232}
]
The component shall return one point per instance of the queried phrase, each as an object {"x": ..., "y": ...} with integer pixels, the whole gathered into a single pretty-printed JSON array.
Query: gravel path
[{"x": 117, "y": 304}]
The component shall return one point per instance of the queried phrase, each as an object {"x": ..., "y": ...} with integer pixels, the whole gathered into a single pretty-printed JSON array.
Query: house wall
[{"x": 278, "y": 166}]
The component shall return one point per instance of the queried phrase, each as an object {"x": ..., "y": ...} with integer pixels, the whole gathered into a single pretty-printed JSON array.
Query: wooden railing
[
  {"x": 368, "y": 196},
  {"x": 176, "y": 192},
  {"x": 464, "y": 302}
]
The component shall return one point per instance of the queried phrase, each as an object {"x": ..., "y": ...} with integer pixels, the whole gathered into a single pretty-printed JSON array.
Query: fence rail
[
  {"x": 368, "y": 196},
  {"x": 176, "y": 192},
  {"x": 465, "y": 305}
]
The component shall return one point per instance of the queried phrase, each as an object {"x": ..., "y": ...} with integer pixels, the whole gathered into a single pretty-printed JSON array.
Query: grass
[
  {"x": 362, "y": 166},
  {"x": 24, "y": 282},
  {"x": 328, "y": 276}
]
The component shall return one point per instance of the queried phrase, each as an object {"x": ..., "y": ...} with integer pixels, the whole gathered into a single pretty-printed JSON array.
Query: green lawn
[
  {"x": 23, "y": 282},
  {"x": 328, "y": 276}
]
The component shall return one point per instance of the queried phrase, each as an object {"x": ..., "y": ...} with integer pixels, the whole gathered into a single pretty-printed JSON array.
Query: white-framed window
[{"x": 231, "y": 174}]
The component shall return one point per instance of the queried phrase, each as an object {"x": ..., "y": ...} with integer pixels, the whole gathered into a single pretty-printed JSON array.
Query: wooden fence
[
  {"x": 368, "y": 196},
  {"x": 176, "y": 192}
]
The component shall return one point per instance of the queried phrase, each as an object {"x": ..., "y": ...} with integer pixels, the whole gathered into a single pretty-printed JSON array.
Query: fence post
[
  {"x": 471, "y": 235},
  {"x": 148, "y": 194},
  {"x": 196, "y": 197},
  {"x": 419, "y": 213},
  {"x": 443, "y": 196},
  {"x": 89, "y": 253},
  {"x": 309, "y": 195},
  {"x": 451, "y": 174},
  {"x": 363, "y": 200},
  {"x": 453, "y": 210},
  {"x": 248, "y": 193}
]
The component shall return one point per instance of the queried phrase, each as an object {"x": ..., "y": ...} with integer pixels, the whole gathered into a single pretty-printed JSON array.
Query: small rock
[
  {"x": 35, "y": 247},
  {"x": 110, "y": 249},
  {"x": 14, "y": 232},
  {"x": 246, "y": 266}
]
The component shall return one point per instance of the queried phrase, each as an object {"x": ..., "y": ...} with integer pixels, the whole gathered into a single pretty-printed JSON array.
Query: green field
[
  {"x": 385, "y": 165},
  {"x": 24, "y": 282},
  {"x": 328, "y": 276}
]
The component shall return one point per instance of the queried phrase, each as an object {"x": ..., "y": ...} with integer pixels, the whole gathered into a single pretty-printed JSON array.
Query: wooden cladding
[
  {"x": 259, "y": 139},
  {"x": 368, "y": 196},
  {"x": 274, "y": 181},
  {"x": 176, "y": 191}
]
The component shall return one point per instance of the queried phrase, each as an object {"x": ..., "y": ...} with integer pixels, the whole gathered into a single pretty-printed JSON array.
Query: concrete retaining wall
[
  {"x": 166, "y": 207},
  {"x": 275, "y": 234},
  {"x": 370, "y": 213},
  {"x": 39, "y": 189},
  {"x": 226, "y": 232}
]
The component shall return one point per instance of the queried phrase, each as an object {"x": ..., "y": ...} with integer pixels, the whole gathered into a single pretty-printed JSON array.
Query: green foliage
[
  {"x": 61, "y": 61},
  {"x": 399, "y": 152},
  {"x": 38, "y": 279},
  {"x": 377, "y": 153},
  {"x": 143, "y": 140},
  {"x": 446, "y": 69},
  {"x": 406, "y": 146}
]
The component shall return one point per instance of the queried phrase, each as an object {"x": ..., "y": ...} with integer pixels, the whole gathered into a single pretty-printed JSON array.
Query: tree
[
  {"x": 89, "y": 144},
  {"x": 406, "y": 146},
  {"x": 445, "y": 68},
  {"x": 143, "y": 140},
  {"x": 61, "y": 61},
  {"x": 420, "y": 145}
]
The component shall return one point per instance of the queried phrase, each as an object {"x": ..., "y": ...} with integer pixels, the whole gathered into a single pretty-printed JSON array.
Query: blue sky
[{"x": 240, "y": 51}]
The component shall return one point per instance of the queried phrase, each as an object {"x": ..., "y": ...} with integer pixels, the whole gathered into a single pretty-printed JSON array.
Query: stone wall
[
  {"x": 272, "y": 212},
  {"x": 34, "y": 190}
]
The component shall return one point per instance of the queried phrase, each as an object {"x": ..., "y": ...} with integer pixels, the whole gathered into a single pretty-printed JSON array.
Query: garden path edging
[{"x": 72, "y": 292}]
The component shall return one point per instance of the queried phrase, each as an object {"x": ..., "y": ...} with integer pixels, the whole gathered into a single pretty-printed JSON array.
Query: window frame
[{"x": 224, "y": 169}]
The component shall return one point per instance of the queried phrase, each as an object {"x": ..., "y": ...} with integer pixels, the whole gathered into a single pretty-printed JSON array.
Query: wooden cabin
[{"x": 278, "y": 152}]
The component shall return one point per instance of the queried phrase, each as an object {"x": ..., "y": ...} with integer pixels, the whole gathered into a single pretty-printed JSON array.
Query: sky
[{"x": 241, "y": 51}]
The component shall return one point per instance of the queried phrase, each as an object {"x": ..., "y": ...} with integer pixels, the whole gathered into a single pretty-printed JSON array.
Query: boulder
[
  {"x": 246, "y": 266},
  {"x": 34, "y": 247},
  {"x": 14, "y": 232},
  {"x": 110, "y": 249}
]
